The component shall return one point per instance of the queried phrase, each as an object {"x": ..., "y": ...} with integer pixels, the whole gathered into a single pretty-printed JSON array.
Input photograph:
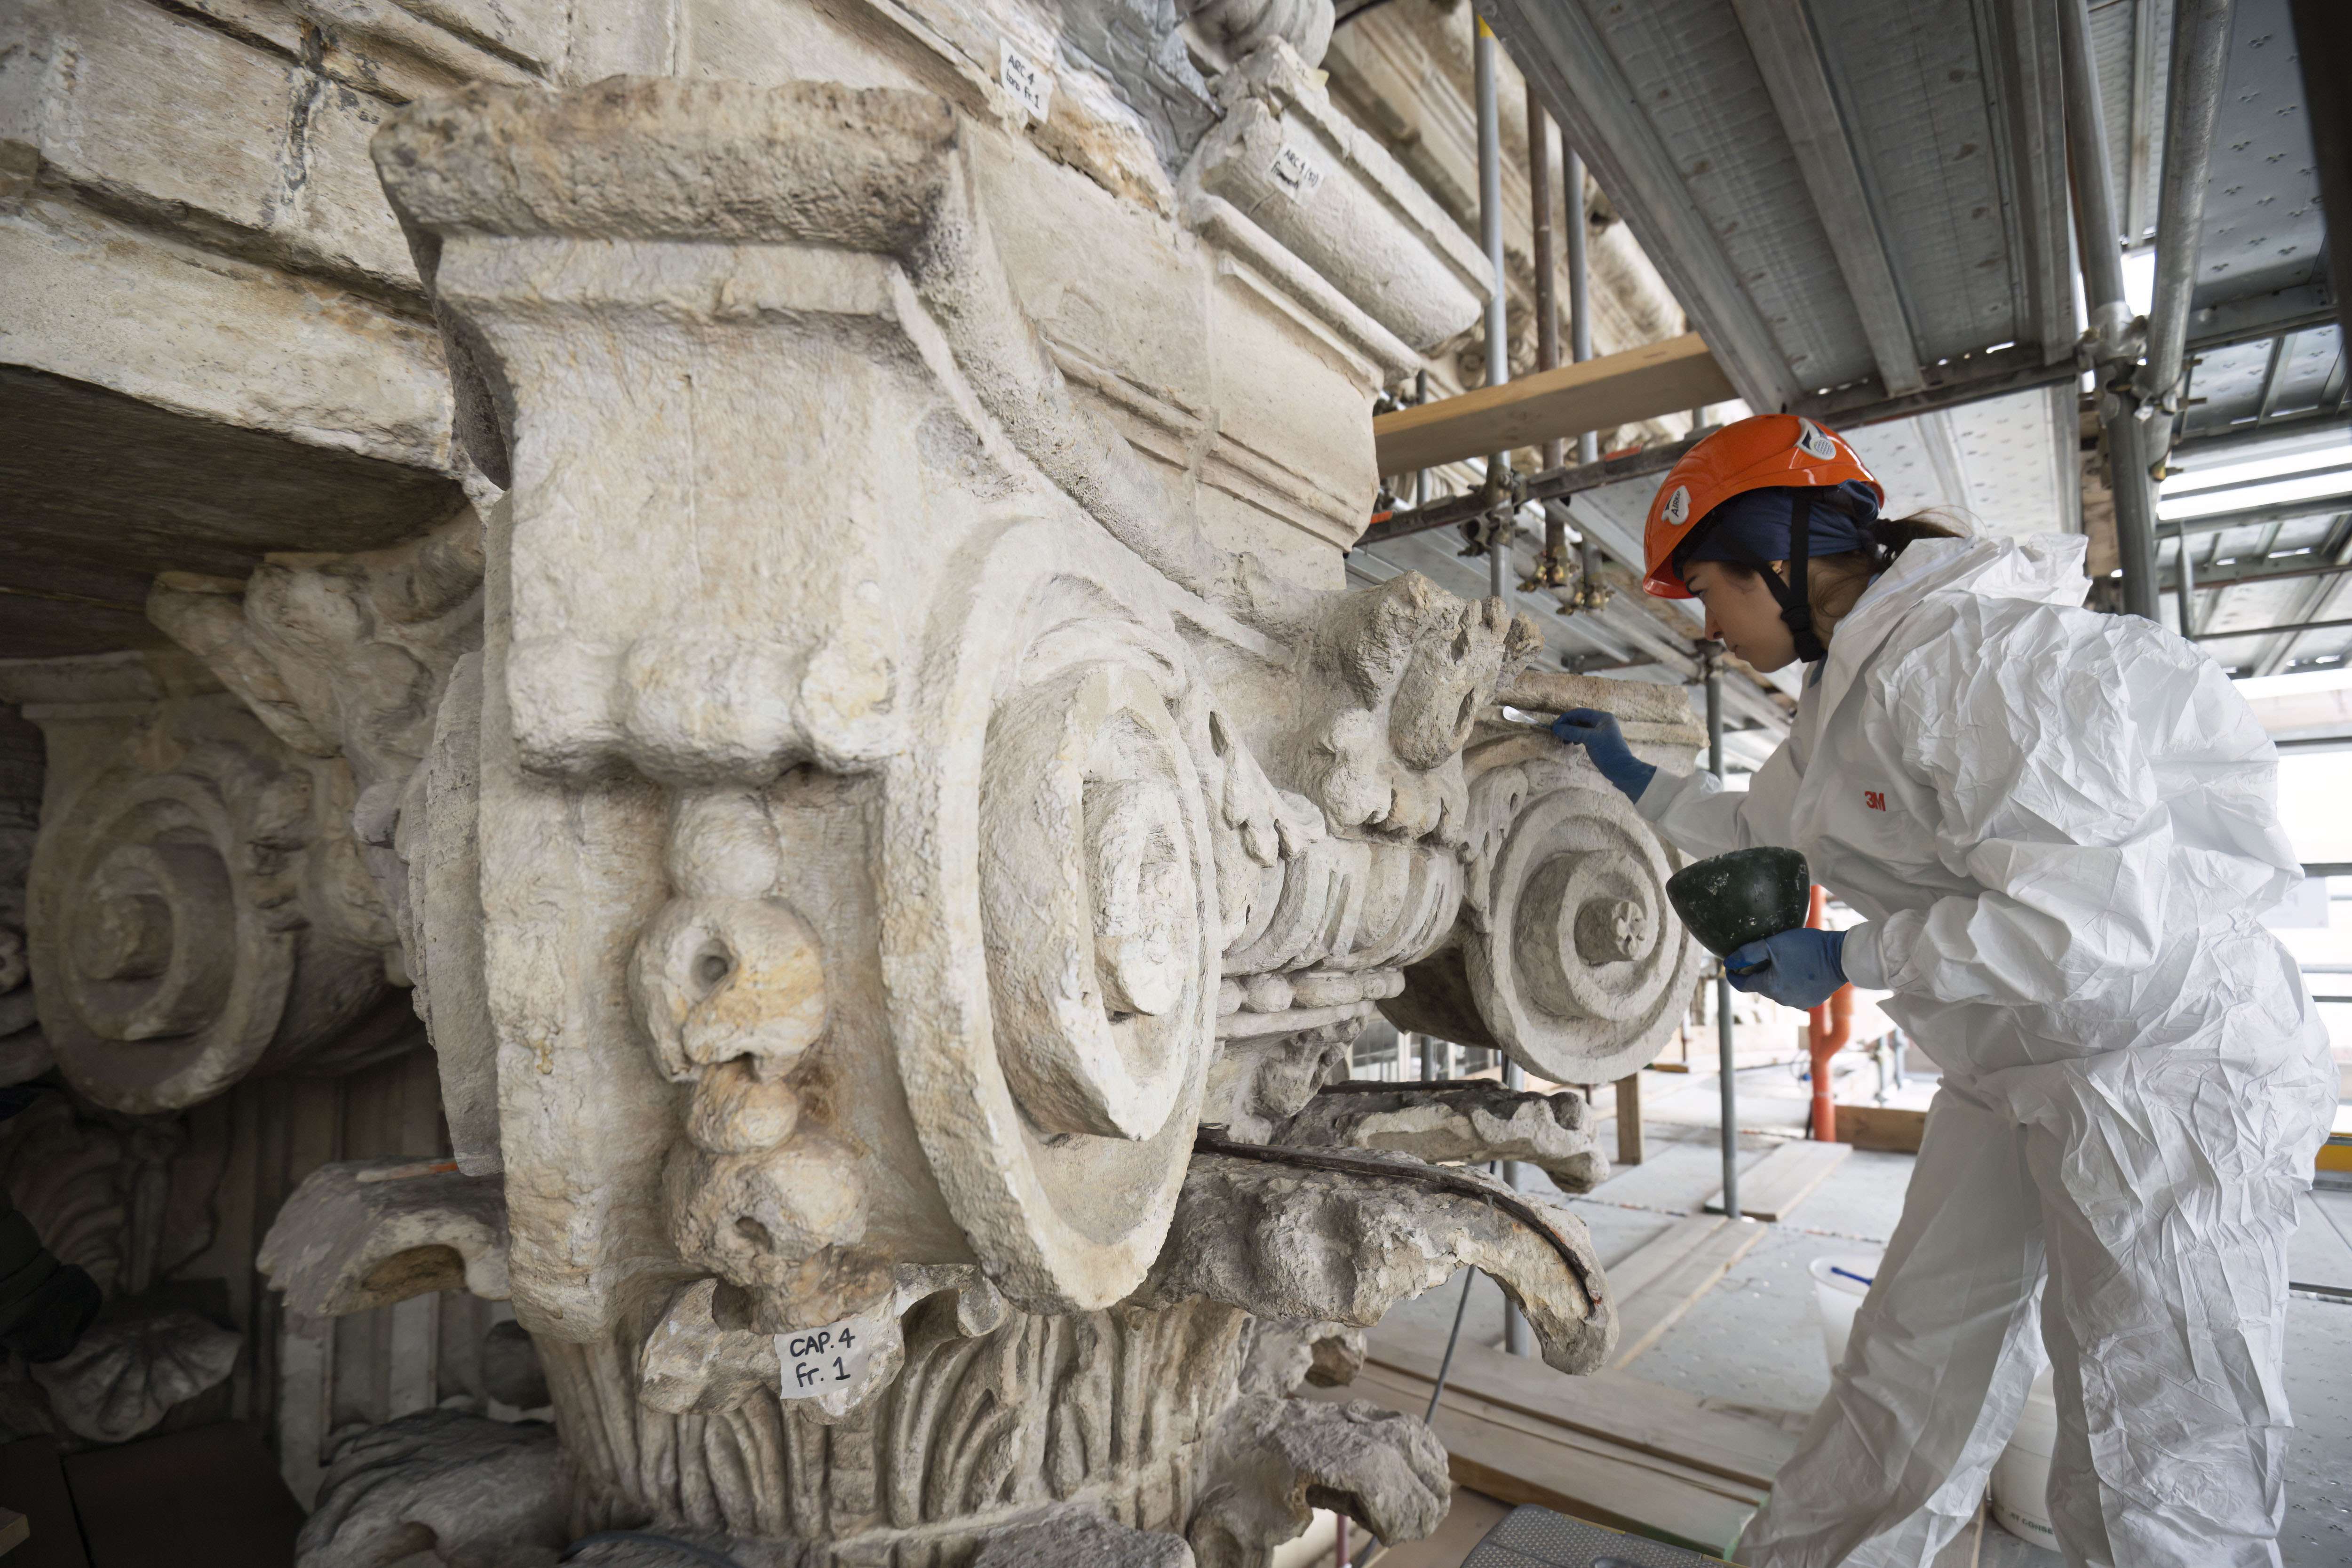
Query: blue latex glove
[
  {"x": 1597, "y": 733},
  {"x": 1799, "y": 968}
]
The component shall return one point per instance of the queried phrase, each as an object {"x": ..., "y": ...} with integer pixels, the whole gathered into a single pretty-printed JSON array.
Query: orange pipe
[{"x": 1826, "y": 1034}]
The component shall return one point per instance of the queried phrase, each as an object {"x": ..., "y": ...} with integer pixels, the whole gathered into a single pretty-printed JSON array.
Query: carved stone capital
[
  {"x": 197, "y": 909},
  {"x": 1568, "y": 955},
  {"x": 888, "y": 828}
]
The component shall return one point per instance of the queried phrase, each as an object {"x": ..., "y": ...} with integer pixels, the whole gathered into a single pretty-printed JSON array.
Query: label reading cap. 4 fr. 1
[{"x": 823, "y": 1361}]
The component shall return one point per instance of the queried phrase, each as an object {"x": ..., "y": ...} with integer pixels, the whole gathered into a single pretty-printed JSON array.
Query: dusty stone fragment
[
  {"x": 375, "y": 657},
  {"x": 365, "y": 1232},
  {"x": 1284, "y": 1241},
  {"x": 1337, "y": 1357},
  {"x": 1081, "y": 1541},
  {"x": 1282, "y": 1458},
  {"x": 1567, "y": 955},
  {"x": 479, "y": 1493},
  {"x": 1256, "y": 1086},
  {"x": 197, "y": 908},
  {"x": 1408, "y": 666},
  {"x": 1473, "y": 1123}
]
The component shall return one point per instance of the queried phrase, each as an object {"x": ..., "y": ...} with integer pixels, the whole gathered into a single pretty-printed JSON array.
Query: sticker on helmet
[
  {"x": 1815, "y": 442},
  {"x": 1678, "y": 506}
]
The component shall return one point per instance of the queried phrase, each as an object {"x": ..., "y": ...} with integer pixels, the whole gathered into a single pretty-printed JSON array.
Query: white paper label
[
  {"x": 824, "y": 1360},
  {"x": 1298, "y": 174},
  {"x": 1030, "y": 84}
]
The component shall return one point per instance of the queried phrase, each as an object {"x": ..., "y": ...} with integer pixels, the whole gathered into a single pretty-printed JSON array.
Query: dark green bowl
[{"x": 1742, "y": 897}]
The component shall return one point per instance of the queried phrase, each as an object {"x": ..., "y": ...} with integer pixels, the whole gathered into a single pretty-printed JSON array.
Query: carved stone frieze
[
  {"x": 124, "y": 1377},
  {"x": 1343, "y": 1239}
]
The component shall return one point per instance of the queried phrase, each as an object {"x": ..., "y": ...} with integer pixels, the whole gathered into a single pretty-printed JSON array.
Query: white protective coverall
[{"x": 2060, "y": 827}]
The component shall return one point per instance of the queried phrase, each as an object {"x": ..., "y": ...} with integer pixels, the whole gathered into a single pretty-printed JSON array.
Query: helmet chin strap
[{"x": 1796, "y": 603}]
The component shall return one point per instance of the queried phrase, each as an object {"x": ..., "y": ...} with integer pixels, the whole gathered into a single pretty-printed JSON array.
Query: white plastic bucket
[
  {"x": 1839, "y": 1283},
  {"x": 2021, "y": 1477}
]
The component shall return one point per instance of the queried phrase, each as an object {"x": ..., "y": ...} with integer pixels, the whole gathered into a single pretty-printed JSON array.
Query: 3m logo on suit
[{"x": 1874, "y": 798}]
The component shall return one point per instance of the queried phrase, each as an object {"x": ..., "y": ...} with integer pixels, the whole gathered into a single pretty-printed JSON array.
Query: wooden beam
[
  {"x": 1628, "y": 1119},
  {"x": 1601, "y": 393},
  {"x": 1668, "y": 1274},
  {"x": 1517, "y": 1459},
  {"x": 1782, "y": 1179},
  {"x": 1884, "y": 1127},
  {"x": 1615, "y": 1406}
]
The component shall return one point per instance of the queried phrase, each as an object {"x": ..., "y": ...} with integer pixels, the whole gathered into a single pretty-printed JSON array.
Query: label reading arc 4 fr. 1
[
  {"x": 830, "y": 1359},
  {"x": 1024, "y": 82}
]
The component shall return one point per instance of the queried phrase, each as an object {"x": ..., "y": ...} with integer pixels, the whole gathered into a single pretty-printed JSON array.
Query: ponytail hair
[{"x": 1890, "y": 536}]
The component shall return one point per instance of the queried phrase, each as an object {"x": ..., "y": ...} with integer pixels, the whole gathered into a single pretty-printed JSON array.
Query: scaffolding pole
[
  {"x": 1490, "y": 235},
  {"x": 1517, "y": 1339},
  {"x": 1722, "y": 979},
  {"x": 2113, "y": 346}
]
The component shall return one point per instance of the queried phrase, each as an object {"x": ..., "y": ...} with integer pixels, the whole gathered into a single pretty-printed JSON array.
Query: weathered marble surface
[{"x": 877, "y": 768}]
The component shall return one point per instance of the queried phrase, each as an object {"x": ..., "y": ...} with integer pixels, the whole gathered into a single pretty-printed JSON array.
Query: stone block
[
  {"x": 96, "y": 300},
  {"x": 209, "y": 135}
]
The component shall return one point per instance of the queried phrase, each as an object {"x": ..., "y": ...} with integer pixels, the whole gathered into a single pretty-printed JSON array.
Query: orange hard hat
[{"x": 1763, "y": 452}]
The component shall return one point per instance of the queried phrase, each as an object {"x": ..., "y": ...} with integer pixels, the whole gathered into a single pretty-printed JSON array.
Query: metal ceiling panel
[
  {"x": 1914, "y": 77},
  {"x": 2246, "y": 383},
  {"x": 1557, "y": 48},
  {"x": 2023, "y": 43},
  {"x": 2264, "y": 228},
  {"x": 2016, "y": 456},
  {"x": 2293, "y": 542},
  {"x": 1691, "y": 73},
  {"x": 1941, "y": 154},
  {"x": 1915, "y": 463},
  {"x": 2132, "y": 42},
  {"x": 2001, "y": 463}
]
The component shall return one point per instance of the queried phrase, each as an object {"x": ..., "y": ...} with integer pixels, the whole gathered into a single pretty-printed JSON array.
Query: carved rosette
[
  {"x": 1051, "y": 945},
  {"x": 198, "y": 912},
  {"x": 1568, "y": 955}
]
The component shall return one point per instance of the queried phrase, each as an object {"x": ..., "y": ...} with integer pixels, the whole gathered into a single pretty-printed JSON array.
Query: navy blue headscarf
[
  {"x": 1790, "y": 523},
  {"x": 1754, "y": 524}
]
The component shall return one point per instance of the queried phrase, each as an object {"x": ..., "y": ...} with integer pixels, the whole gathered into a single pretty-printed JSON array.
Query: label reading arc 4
[
  {"x": 1025, "y": 81},
  {"x": 1295, "y": 173},
  {"x": 829, "y": 1359}
]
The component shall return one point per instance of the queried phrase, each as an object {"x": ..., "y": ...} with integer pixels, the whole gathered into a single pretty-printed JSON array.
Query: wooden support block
[
  {"x": 1676, "y": 1281},
  {"x": 1639, "y": 1268},
  {"x": 1597, "y": 394},
  {"x": 1887, "y": 1128},
  {"x": 15, "y": 1531},
  {"x": 1613, "y": 1406},
  {"x": 1781, "y": 1179},
  {"x": 1628, "y": 1119}
]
